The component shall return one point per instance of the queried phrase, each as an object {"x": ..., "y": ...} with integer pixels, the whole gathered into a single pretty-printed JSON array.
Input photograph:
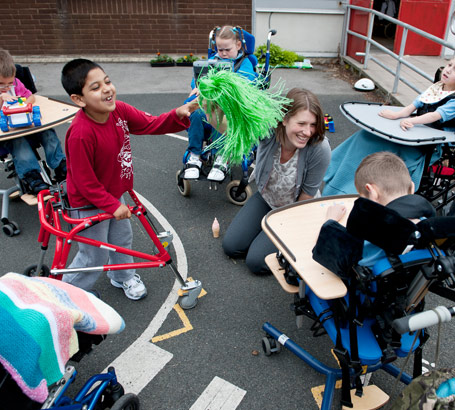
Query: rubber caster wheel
[
  {"x": 183, "y": 185},
  {"x": 11, "y": 228},
  {"x": 31, "y": 271},
  {"x": 270, "y": 345},
  {"x": 186, "y": 304},
  {"x": 128, "y": 401},
  {"x": 231, "y": 192}
]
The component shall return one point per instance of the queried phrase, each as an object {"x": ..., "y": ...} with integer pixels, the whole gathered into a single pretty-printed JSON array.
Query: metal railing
[{"x": 399, "y": 57}]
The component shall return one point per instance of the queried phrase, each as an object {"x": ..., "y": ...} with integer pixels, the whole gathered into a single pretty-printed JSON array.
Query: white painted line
[
  {"x": 142, "y": 360},
  {"x": 219, "y": 395},
  {"x": 139, "y": 364},
  {"x": 180, "y": 137}
]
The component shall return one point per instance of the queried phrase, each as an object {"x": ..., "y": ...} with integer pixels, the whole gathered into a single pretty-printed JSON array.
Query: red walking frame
[{"x": 55, "y": 209}]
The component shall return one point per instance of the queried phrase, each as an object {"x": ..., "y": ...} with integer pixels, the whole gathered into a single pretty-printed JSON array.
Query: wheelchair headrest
[
  {"x": 336, "y": 249},
  {"x": 3, "y": 151},
  {"x": 382, "y": 226},
  {"x": 25, "y": 76},
  {"x": 439, "y": 227}
]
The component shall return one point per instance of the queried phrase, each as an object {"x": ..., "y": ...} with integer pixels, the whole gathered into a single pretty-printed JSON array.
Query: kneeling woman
[{"x": 290, "y": 165}]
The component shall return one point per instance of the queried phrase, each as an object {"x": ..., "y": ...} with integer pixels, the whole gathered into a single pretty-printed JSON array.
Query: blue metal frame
[
  {"x": 86, "y": 396},
  {"x": 332, "y": 374}
]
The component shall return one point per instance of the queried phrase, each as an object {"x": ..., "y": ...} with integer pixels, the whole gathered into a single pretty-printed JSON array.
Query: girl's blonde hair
[
  {"x": 303, "y": 100},
  {"x": 227, "y": 33},
  {"x": 7, "y": 66}
]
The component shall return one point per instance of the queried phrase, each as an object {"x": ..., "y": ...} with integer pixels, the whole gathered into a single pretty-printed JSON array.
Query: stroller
[
  {"x": 50, "y": 322},
  {"x": 238, "y": 191},
  {"x": 356, "y": 306},
  {"x": 56, "y": 210}
]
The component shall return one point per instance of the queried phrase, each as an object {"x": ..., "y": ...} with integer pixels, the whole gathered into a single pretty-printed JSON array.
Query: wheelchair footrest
[
  {"x": 278, "y": 272},
  {"x": 373, "y": 398}
]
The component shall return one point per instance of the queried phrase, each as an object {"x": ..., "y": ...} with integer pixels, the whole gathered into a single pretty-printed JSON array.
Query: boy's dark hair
[
  {"x": 386, "y": 170},
  {"x": 74, "y": 75}
]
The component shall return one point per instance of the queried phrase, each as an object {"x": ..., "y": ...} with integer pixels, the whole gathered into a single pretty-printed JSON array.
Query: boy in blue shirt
[{"x": 384, "y": 178}]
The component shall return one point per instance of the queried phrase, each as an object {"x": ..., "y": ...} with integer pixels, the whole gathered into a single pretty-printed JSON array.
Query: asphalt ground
[{"x": 225, "y": 339}]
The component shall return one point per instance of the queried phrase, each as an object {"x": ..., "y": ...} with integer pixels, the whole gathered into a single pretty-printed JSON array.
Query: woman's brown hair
[{"x": 303, "y": 100}]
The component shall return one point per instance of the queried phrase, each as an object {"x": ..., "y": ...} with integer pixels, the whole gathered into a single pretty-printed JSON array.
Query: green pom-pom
[{"x": 250, "y": 111}]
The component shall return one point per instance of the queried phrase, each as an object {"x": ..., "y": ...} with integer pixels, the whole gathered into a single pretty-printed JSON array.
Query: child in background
[
  {"x": 229, "y": 48},
  {"x": 435, "y": 106},
  {"x": 25, "y": 162},
  {"x": 100, "y": 168}
]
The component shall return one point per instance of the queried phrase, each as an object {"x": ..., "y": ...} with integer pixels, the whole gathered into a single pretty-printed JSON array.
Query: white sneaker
[
  {"x": 218, "y": 171},
  {"x": 134, "y": 288},
  {"x": 193, "y": 167}
]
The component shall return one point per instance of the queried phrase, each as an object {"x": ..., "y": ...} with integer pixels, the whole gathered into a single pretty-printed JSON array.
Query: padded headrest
[
  {"x": 249, "y": 42},
  {"x": 3, "y": 151},
  {"x": 336, "y": 249},
  {"x": 23, "y": 73},
  {"x": 381, "y": 226},
  {"x": 439, "y": 227}
]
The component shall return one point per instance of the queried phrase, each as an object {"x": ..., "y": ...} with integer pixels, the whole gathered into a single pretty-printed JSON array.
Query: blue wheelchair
[
  {"x": 238, "y": 191},
  {"x": 354, "y": 305}
]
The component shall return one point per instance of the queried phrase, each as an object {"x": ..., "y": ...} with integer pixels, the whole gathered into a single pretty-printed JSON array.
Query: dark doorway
[{"x": 383, "y": 30}]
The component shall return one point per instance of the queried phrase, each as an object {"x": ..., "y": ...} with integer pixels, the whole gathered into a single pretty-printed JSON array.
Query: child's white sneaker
[
  {"x": 134, "y": 288},
  {"x": 218, "y": 171},
  {"x": 192, "y": 167}
]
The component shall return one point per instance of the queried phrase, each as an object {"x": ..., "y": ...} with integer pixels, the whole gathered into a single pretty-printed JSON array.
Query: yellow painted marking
[{"x": 187, "y": 326}]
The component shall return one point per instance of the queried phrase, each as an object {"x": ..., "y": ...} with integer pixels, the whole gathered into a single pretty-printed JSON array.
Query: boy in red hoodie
[{"x": 100, "y": 169}]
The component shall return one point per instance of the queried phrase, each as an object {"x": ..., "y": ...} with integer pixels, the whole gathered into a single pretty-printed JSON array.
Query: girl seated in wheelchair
[
  {"x": 229, "y": 48},
  {"x": 435, "y": 107}
]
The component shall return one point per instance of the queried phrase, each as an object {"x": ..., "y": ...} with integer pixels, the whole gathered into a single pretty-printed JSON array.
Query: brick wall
[{"x": 74, "y": 27}]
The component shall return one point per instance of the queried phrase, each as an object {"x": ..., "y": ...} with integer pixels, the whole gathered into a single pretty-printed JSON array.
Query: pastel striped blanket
[{"x": 39, "y": 319}]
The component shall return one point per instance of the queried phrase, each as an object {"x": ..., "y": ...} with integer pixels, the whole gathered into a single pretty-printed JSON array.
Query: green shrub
[{"x": 278, "y": 56}]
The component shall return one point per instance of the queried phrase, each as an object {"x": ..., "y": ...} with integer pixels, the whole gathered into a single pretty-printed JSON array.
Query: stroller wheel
[
  {"x": 31, "y": 271},
  {"x": 128, "y": 401},
  {"x": 233, "y": 195},
  {"x": 11, "y": 228},
  {"x": 182, "y": 184}
]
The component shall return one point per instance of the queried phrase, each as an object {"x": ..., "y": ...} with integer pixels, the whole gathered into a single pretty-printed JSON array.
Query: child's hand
[
  {"x": 122, "y": 212},
  {"x": 187, "y": 109},
  {"x": 391, "y": 115},
  {"x": 8, "y": 97},
  {"x": 406, "y": 124},
  {"x": 193, "y": 92},
  {"x": 336, "y": 212}
]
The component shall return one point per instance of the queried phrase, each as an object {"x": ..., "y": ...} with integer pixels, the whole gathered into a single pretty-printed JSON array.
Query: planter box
[
  {"x": 184, "y": 64},
  {"x": 162, "y": 64}
]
